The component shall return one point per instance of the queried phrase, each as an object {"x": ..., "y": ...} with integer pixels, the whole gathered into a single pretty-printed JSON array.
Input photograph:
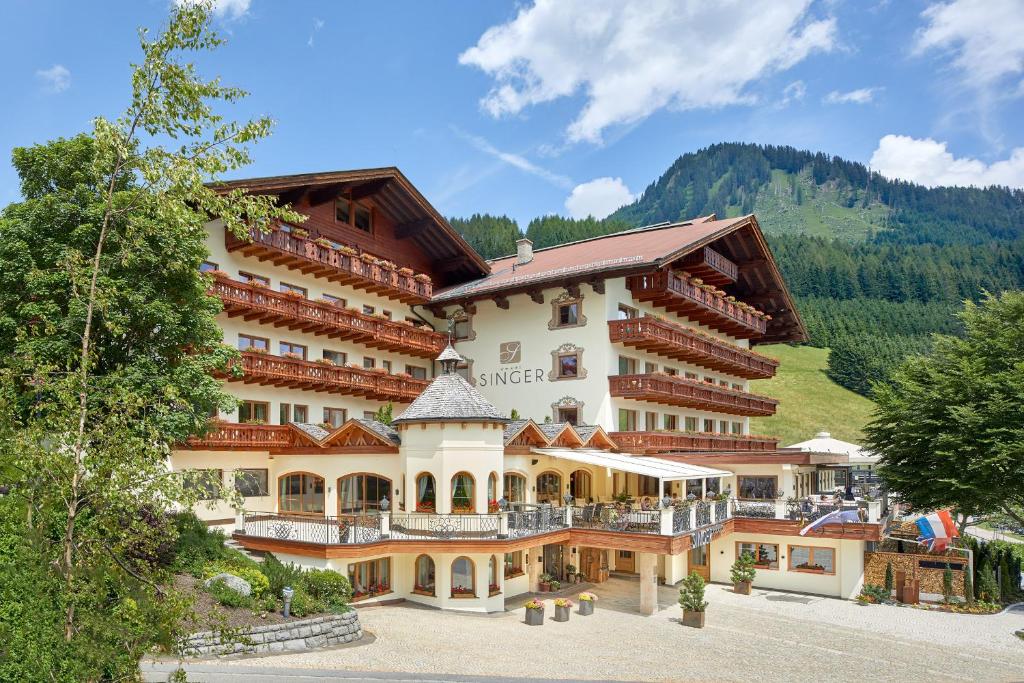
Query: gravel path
[{"x": 769, "y": 636}]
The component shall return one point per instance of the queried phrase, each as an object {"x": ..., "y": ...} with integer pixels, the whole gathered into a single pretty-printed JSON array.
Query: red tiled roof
[{"x": 629, "y": 250}]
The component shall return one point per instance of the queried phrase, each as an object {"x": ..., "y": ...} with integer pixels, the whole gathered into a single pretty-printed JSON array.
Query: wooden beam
[
  {"x": 368, "y": 189},
  {"x": 292, "y": 196},
  {"x": 751, "y": 262},
  {"x": 412, "y": 228},
  {"x": 454, "y": 263},
  {"x": 536, "y": 295},
  {"x": 501, "y": 302},
  {"x": 573, "y": 290},
  {"x": 597, "y": 286},
  {"x": 325, "y": 194}
]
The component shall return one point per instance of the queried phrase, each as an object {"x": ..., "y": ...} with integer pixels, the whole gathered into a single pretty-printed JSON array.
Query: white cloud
[
  {"x": 317, "y": 25},
  {"x": 55, "y": 79},
  {"x": 928, "y": 162},
  {"x": 230, "y": 9},
  {"x": 794, "y": 92},
  {"x": 515, "y": 160},
  {"x": 598, "y": 198},
  {"x": 984, "y": 37},
  {"x": 858, "y": 96},
  {"x": 632, "y": 59}
]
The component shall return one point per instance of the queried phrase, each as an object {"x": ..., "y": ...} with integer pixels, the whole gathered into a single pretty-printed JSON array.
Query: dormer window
[{"x": 352, "y": 213}]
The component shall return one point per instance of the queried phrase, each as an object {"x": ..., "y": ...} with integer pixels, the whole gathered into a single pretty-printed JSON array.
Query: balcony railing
[
  {"x": 672, "y": 341},
  {"x": 711, "y": 266},
  {"x": 318, "y": 317},
  {"x": 679, "y": 295},
  {"x": 608, "y": 518},
  {"x": 692, "y": 441},
  {"x": 806, "y": 511},
  {"x": 230, "y": 436},
  {"x": 262, "y": 368},
  {"x": 688, "y": 393},
  {"x": 337, "y": 265},
  {"x": 345, "y": 530}
]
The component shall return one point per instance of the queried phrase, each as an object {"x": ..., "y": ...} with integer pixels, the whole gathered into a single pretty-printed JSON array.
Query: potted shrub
[
  {"x": 562, "y": 607},
  {"x": 691, "y": 599},
  {"x": 534, "y": 613},
  {"x": 587, "y": 601},
  {"x": 570, "y": 572},
  {"x": 555, "y": 584},
  {"x": 743, "y": 573},
  {"x": 545, "y": 582}
]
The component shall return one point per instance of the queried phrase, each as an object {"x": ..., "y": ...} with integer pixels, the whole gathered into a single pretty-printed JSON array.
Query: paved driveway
[{"x": 769, "y": 636}]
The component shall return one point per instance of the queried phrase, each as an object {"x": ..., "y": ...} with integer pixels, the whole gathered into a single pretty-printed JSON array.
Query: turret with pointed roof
[{"x": 450, "y": 398}]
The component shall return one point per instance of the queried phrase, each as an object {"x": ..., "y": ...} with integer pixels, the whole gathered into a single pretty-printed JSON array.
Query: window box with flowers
[
  {"x": 422, "y": 277},
  {"x": 324, "y": 242},
  {"x": 513, "y": 572},
  {"x": 324, "y": 361},
  {"x": 405, "y": 271},
  {"x": 492, "y": 506},
  {"x": 374, "y": 591},
  {"x": 493, "y": 589},
  {"x": 301, "y": 233},
  {"x": 293, "y": 355},
  {"x": 347, "y": 250},
  {"x": 423, "y": 590},
  {"x": 462, "y": 592},
  {"x": 809, "y": 568},
  {"x": 426, "y": 507}
]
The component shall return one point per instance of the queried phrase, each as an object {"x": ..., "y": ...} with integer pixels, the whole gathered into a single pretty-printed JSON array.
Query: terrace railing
[
  {"x": 345, "y": 530},
  {"x": 688, "y": 393},
  {"x": 676, "y": 293},
  {"x": 692, "y": 441}
]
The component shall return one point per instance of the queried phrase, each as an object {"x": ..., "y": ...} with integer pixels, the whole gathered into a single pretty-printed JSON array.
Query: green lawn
[{"x": 809, "y": 402}]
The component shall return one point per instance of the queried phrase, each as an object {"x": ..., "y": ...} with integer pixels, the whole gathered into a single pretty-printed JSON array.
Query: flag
[
  {"x": 937, "y": 530},
  {"x": 836, "y": 517}
]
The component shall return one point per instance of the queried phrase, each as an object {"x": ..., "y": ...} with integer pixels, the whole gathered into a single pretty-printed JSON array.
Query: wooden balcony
[
  {"x": 305, "y": 254},
  {"x": 665, "y": 442},
  {"x": 244, "y": 437},
  {"x": 264, "y": 305},
  {"x": 672, "y": 341},
  {"x": 711, "y": 267},
  {"x": 278, "y": 371},
  {"x": 680, "y": 296},
  {"x": 688, "y": 393}
]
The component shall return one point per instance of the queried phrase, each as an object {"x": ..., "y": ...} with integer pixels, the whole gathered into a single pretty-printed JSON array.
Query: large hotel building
[{"x": 591, "y": 415}]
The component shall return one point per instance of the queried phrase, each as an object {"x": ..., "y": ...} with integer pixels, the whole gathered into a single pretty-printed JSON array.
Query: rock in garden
[{"x": 235, "y": 583}]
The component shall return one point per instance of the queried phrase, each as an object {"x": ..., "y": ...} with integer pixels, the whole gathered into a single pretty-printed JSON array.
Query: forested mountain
[{"x": 876, "y": 264}]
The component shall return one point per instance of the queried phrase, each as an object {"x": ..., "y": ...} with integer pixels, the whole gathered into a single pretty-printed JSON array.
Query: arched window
[
  {"x": 358, "y": 493},
  {"x": 492, "y": 492},
  {"x": 463, "y": 579},
  {"x": 493, "y": 587},
  {"x": 515, "y": 488},
  {"x": 426, "y": 493},
  {"x": 301, "y": 493},
  {"x": 462, "y": 492},
  {"x": 549, "y": 488},
  {"x": 580, "y": 486},
  {"x": 424, "y": 575}
]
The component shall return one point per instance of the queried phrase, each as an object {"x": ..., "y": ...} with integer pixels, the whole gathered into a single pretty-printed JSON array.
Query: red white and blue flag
[{"x": 937, "y": 530}]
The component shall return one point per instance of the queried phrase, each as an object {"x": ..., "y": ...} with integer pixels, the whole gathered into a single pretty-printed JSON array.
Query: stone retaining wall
[{"x": 292, "y": 636}]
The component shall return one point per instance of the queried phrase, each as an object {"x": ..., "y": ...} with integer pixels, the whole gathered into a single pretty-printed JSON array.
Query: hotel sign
[{"x": 510, "y": 353}]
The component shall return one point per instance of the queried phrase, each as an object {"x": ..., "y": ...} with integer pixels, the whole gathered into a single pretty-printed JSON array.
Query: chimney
[{"x": 524, "y": 251}]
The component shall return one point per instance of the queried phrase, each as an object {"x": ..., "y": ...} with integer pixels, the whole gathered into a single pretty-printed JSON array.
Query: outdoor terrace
[
  {"x": 282, "y": 309},
  {"x": 296, "y": 249},
  {"x": 672, "y": 341},
  {"x": 279, "y": 371},
  {"x": 687, "y": 393},
  {"x": 698, "y": 302}
]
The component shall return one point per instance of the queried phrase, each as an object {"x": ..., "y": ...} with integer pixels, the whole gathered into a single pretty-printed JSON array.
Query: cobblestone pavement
[{"x": 768, "y": 636}]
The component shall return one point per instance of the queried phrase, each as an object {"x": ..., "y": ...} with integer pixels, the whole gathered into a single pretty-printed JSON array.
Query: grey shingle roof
[
  {"x": 513, "y": 427},
  {"x": 383, "y": 430},
  {"x": 552, "y": 429},
  {"x": 450, "y": 353},
  {"x": 450, "y": 398},
  {"x": 314, "y": 431},
  {"x": 585, "y": 430}
]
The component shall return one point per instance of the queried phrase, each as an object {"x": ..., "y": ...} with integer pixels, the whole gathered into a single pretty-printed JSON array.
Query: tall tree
[
  {"x": 950, "y": 427},
  {"x": 107, "y": 344}
]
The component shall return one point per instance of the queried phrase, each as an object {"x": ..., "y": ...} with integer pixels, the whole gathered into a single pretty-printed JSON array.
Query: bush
[
  {"x": 304, "y": 604},
  {"x": 280, "y": 574},
  {"x": 228, "y": 597},
  {"x": 889, "y": 581},
  {"x": 691, "y": 595},
  {"x": 256, "y": 579},
  {"x": 328, "y": 586},
  {"x": 874, "y": 593},
  {"x": 196, "y": 544}
]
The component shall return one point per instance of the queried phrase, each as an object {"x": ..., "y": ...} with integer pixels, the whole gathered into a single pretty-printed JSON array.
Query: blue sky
[{"x": 558, "y": 107}]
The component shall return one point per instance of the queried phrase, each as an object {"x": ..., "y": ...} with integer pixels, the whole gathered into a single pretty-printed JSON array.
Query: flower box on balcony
[
  {"x": 423, "y": 277},
  {"x": 301, "y": 233},
  {"x": 405, "y": 271},
  {"x": 325, "y": 361},
  {"x": 347, "y": 250},
  {"x": 260, "y": 284},
  {"x": 292, "y": 294},
  {"x": 324, "y": 242},
  {"x": 292, "y": 355}
]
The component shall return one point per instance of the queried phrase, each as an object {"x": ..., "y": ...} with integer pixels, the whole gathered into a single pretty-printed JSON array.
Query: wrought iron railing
[
  {"x": 529, "y": 520},
  {"x": 681, "y": 519},
  {"x": 756, "y": 509},
  {"x": 313, "y": 529},
  {"x": 608, "y": 518},
  {"x": 703, "y": 513},
  {"x": 411, "y": 526}
]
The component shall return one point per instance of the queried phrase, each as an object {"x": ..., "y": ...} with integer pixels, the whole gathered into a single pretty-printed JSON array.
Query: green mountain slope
[{"x": 810, "y": 402}]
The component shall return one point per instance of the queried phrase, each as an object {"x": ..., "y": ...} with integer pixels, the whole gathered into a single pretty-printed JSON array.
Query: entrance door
[
  {"x": 594, "y": 564},
  {"x": 700, "y": 561},
  {"x": 625, "y": 561},
  {"x": 553, "y": 560}
]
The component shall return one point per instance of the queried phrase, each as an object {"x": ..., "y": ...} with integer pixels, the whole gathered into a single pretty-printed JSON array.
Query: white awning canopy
[{"x": 667, "y": 470}]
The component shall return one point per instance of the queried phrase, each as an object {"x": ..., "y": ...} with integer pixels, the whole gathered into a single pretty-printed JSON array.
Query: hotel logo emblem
[{"x": 510, "y": 352}]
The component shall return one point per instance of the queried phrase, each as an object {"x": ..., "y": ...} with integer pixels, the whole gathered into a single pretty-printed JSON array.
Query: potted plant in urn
[
  {"x": 743, "y": 573},
  {"x": 587, "y": 601},
  {"x": 545, "y": 582},
  {"x": 562, "y": 607},
  {"x": 534, "y": 613},
  {"x": 570, "y": 573},
  {"x": 555, "y": 584},
  {"x": 691, "y": 599}
]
